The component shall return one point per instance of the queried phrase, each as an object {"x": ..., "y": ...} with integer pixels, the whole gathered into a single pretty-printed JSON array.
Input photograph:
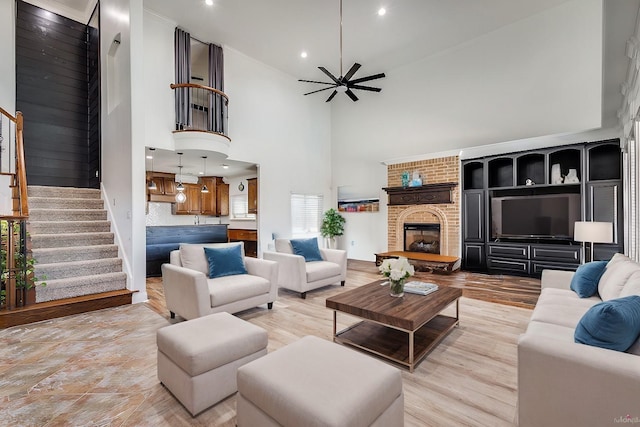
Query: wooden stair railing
[{"x": 13, "y": 235}]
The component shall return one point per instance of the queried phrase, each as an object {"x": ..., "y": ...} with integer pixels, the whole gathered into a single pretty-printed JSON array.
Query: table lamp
[{"x": 593, "y": 232}]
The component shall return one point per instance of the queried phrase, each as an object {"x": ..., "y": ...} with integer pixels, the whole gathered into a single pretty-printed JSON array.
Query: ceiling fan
[{"x": 344, "y": 84}]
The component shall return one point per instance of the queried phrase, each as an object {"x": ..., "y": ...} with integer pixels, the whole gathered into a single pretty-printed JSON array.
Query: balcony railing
[{"x": 207, "y": 112}]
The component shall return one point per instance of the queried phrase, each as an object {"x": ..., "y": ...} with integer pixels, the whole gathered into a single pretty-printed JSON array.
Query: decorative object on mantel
[
  {"x": 423, "y": 195},
  {"x": 556, "y": 175},
  {"x": 416, "y": 181},
  {"x": 405, "y": 179},
  {"x": 529, "y": 182},
  {"x": 572, "y": 177},
  {"x": 397, "y": 271}
]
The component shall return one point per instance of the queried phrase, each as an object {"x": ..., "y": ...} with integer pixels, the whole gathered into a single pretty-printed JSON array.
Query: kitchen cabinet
[
  {"x": 252, "y": 195},
  {"x": 216, "y": 201},
  {"x": 165, "y": 190},
  {"x": 213, "y": 203},
  {"x": 249, "y": 237}
]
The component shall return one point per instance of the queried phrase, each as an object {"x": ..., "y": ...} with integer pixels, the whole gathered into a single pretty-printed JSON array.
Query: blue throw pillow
[
  {"x": 225, "y": 261},
  {"x": 585, "y": 280},
  {"x": 612, "y": 324},
  {"x": 308, "y": 248}
]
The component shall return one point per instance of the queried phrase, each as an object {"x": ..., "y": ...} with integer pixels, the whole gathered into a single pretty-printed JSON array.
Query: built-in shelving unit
[{"x": 598, "y": 172}]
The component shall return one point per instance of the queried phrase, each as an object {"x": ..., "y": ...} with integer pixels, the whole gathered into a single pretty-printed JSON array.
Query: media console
[{"x": 587, "y": 175}]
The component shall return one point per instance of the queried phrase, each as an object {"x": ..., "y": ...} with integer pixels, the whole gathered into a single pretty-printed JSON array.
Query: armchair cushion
[
  {"x": 318, "y": 270},
  {"x": 307, "y": 248},
  {"x": 225, "y": 261},
  {"x": 585, "y": 281},
  {"x": 192, "y": 255},
  {"x": 228, "y": 289},
  {"x": 613, "y": 324}
]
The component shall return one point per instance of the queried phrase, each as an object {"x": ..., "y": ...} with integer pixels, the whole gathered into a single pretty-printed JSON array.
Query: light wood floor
[{"x": 468, "y": 380}]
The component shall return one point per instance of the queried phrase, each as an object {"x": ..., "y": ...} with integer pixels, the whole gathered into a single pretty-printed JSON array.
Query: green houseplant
[{"x": 332, "y": 226}]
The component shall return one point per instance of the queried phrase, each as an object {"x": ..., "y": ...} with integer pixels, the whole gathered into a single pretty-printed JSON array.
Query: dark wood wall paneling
[{"x": 52, "y": 90}]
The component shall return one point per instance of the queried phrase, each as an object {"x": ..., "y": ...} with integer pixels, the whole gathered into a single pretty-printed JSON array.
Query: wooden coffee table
[{"x": 403, "y": 330}]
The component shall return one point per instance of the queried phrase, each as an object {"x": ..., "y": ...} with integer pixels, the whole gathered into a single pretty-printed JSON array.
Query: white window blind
[
  {"x": 306, "y": 214},
  {"x": 240, "y": 206}
]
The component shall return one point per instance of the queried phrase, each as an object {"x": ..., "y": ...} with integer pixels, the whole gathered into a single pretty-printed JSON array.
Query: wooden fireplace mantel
[{"x": 423, "y": 195}]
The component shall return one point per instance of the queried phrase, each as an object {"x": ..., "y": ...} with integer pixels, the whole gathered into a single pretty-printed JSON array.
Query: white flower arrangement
[{"x": 396, "y": 269}]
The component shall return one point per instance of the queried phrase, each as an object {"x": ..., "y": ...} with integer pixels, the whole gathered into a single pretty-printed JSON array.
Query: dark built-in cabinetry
[{"x": 597, "y": 184}]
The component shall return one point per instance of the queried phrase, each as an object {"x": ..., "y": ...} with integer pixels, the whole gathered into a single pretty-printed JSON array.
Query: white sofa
[
  {"x": 300, "y": 276},
  {"x": 190, "y": 293},
  {"x": 563, "y": 383}
]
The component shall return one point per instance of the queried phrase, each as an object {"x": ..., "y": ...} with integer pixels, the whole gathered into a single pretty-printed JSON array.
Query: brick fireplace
[{"x": 446, "y": 215}]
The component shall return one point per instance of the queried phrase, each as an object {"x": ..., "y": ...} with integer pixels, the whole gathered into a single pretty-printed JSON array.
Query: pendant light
[
  {"x": 180, "y": 196},
  {"x": 152, "y": 183},
  {"x": 204, "y": 186}
]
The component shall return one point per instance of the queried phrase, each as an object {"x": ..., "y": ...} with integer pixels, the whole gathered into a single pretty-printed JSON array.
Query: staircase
[{"x": 72, "y": 244}]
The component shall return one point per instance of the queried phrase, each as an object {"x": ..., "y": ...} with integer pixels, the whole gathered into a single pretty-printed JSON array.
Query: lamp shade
[{"x": 593, "y": 232}]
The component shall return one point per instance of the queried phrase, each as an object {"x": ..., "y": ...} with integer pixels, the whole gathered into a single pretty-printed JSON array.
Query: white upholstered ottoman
[
  {"x": 198, "y": 359},
  {"x": 314, "y": 382}
]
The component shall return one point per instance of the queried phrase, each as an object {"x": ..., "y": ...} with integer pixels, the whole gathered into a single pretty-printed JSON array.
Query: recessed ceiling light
[
  {"x": 209, "y": 2},
  {"x": 303, "y": 54},
  {"x": 225, "y": 166},
  {"x": 382, "y": 11}
]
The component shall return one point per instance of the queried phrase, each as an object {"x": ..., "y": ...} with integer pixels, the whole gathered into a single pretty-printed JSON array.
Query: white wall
[
  {"x": 538, "y": 76},
  {"x": 159, "y": 116},
  {"x": 123, "y": 138},
  {"x": 271, "y": 124},
  {"x": 7, "y": 53}
]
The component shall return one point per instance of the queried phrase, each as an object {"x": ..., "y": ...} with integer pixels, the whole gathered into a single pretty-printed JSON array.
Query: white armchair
[
  {"x": 300, "y": 276},
  {"x": 191, "y": 294}
]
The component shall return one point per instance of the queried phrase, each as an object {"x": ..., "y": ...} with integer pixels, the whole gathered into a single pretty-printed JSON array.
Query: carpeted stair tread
[
  {"x": 72, "y": 243},
  {"x": 63, "y": 270},
  {"x": 74, "y": 253},
  {"x": 70, "y": 239},
  {"x": 78, "y": 286},
  {"x": 38, "y": 214},
  {"x": 62, "y": 192},
  {"x": 64, "y": 227},
  {"x": 65, "y": 203}
]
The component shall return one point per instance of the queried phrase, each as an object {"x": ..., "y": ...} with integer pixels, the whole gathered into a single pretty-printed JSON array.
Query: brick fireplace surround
[{"x": 433, "y": 171}]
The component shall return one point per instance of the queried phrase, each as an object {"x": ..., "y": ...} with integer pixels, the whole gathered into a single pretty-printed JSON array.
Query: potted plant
[{"x": 332, "y": 226}]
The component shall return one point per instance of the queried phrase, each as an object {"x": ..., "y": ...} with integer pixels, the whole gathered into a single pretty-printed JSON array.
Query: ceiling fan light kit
[{"x": 344, "y": 84}]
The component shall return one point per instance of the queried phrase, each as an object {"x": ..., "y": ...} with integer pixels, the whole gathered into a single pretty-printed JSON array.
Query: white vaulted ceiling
[{"x": 275, "y": 32}]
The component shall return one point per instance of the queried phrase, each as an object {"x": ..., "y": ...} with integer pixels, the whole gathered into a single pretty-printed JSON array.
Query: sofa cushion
[
  {"x": 615, "y": 277},
  {"x": 228, "y": 289},
  {"x": 612, "y": 324},
  {"x": 549, "y": 330},
  {"x": 618, "y": 257},
  {"x": 307, "y": 248},
  {"x": 319, "y": 270},
  {"x": 632, "y": 287},
  {"x": 225, "y": 261},
  {"x": 585, "y": 280},
  {"x": 561, "y": 314},
  {"x": 192, "y": 255}
]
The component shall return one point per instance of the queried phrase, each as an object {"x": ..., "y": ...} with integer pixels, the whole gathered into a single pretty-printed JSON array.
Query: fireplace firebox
[{"x": 422, "y": 238}]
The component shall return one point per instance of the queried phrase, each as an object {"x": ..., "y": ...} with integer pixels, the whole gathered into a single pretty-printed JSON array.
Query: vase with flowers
[{"x": 397, "y": 271}]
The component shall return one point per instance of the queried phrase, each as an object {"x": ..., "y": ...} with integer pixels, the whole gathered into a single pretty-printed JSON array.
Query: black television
[{"x": 550, "y": 216}]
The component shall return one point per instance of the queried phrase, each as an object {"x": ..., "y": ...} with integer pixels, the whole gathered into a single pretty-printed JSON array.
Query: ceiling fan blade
[
  {"x": 331, "y": 96},
  {"x": 313, "y": 81},
  {"x": 366, "y": 79},
  {"x": 319, "y": 90},
  {"x": 351, "y": 95},
  {"x": 355, "y": 67},
  {"x": 331, "y": 76},
  {"x": 369, "y": 88}
]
